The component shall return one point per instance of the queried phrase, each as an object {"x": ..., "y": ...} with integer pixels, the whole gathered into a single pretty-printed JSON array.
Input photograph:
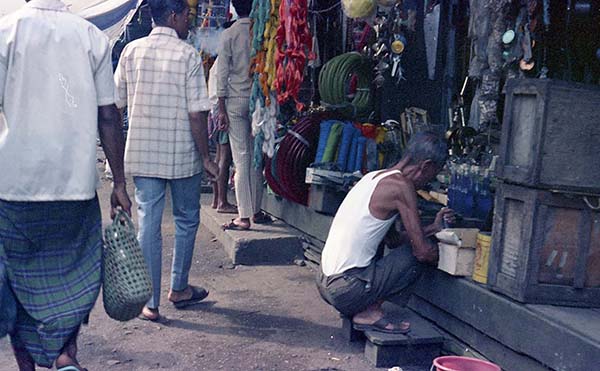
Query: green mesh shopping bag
[{"x": 126, "y": 285}]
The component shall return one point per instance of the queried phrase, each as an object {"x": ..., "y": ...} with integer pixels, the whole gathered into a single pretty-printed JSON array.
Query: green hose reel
[{"x": 335, "y": 80}]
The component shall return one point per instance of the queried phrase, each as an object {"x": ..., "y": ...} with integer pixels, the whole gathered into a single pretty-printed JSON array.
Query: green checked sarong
[{"x": 51, "y": 253}]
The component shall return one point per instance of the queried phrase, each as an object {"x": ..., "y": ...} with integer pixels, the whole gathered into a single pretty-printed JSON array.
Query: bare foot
[
  {"x": 227, "y": 208},
  {"x": 214, "y": 204},
  {"x": 68, "y": 357},
  {"x": 64, "y": 360}
]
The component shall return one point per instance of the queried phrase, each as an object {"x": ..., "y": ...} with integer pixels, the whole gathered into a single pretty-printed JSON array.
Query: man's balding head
[{"x": 427, "y": 146}]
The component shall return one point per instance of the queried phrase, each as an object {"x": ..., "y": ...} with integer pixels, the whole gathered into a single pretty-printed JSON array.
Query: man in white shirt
[
  {"x": 56, "y": 95},
  {"x": 234, "y": 87},
  {"x": 352, "y": 278}
]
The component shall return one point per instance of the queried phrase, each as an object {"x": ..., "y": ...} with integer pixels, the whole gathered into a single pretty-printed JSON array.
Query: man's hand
[
  {"x": 444, "y": 215},
  {"x": 211, "y": 168},
  {"x": 119, "y": 197},
  {"x": 429, "y": 255},
  {"x": 223, "y": 120}
]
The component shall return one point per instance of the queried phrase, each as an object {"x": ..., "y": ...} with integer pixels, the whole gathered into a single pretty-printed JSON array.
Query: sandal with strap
[
  {"x": 381, "y": 325},
  {"x": 232, "y": 225},
  {"x": 262, "y": 218},
  {"x": 198, "y": 294}
]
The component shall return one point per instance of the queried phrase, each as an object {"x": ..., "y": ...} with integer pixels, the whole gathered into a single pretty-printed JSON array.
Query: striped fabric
[
  {"x": 52, "y": 255},
  {"x": 248, "y": 180}
]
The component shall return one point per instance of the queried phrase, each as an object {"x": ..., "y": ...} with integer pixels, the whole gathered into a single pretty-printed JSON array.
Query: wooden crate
[
  {"x": 325, "y": 199},
  {"x": 545, "y": 248},
  {"x": 551, "y": 135}
]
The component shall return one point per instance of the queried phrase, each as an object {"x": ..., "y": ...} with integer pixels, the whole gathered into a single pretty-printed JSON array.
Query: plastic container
[
  {"x": 457, "y": 363},
  {"x": 482, "y": 257}
]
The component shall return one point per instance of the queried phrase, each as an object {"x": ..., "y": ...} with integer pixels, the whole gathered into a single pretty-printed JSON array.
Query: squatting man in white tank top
[{"x": 352, "y": 278}]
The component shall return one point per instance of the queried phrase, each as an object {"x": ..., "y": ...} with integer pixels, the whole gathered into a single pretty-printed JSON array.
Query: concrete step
[{"x": 263, "y": 244}]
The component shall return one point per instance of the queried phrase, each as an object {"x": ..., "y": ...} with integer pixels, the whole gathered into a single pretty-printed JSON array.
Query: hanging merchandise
[
  {"x": 359, "y": 8},
  {"x": 286, "y": 171},
  {"x": 260, "y": 16},
  {"x": 271, "y": 44},
  {"x": 294, "y": 49},
  {"x": 397, "y": 41},
  {"x": 263, "y": 104},
  {"x": 345, "y": 84},
  {"x": 431, "y": 29},
  {"x": 264, "y": 126}
]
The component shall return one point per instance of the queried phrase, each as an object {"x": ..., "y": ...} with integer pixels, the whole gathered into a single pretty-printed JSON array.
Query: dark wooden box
[
  {"x": 325, "y": 199},
  {"x": 545, "y": 247},
  {"x": 551, "y": 135}
]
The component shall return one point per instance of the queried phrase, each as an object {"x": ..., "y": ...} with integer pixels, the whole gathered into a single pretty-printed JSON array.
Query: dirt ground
[{"x": 255, "y": 318}]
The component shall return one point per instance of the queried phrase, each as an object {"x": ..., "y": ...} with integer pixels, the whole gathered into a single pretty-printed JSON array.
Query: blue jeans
[{"x": 150, "y": 197}]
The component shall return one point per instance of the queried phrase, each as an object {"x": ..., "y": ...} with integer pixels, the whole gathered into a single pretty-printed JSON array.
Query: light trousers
[
  {"x": 248, "y": 180},
  {"x": 150, "y": 197}
]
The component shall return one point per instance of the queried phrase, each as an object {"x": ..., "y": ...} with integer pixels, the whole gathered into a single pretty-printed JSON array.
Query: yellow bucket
[{"x": 482, "y": 257}]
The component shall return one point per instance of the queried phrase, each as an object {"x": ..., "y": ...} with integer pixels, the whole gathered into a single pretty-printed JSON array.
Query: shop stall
[{"x": 340, "y": 87}]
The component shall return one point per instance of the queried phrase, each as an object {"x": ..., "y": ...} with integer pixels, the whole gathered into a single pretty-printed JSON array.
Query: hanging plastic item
[{"x": 358, "y": 8}]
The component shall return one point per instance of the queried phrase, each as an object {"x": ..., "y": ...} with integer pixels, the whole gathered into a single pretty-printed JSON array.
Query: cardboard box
[
  {"x": 461, "y": 237},
  {"x": 456, "y": 260}
]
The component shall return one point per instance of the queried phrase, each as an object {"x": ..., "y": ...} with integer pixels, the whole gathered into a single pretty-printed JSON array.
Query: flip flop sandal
[
  {"x": 198, "y": 294},
  {"x": 228, "y": 210},
  {"x": 70, "y": 368},
  {"x": 235, "y": 227},
  {"x": 262, "y": 218},
  {"x": 380, "y": 326},
  {"x": 144, "y": 318}
]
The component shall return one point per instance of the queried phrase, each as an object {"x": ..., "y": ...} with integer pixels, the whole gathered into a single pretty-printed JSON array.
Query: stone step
[{"x": 264, "y": 244}]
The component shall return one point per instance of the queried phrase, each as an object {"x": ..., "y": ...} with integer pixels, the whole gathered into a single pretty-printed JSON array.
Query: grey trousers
[{"x": 390, "y": 278}]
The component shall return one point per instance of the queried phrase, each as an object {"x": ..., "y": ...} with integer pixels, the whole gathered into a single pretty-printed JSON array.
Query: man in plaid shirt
[{"x": 161, "y": 81}]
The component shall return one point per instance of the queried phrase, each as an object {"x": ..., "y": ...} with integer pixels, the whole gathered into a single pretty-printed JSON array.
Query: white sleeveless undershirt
[{"x": 355, "y": 234}]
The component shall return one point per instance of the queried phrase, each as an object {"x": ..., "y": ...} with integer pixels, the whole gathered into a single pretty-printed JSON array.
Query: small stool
[
  {"x": 417, "y": 348},
  {"x": 348, "y": 332}
]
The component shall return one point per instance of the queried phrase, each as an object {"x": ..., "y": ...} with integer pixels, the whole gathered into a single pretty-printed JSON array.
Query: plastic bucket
[
  {"x": 457, "y": 363},
  {"x": 482, "y": 257}
]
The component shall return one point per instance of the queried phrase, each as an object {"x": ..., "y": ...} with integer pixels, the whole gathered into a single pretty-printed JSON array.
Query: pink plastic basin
[{"x": 456, "y": 363}]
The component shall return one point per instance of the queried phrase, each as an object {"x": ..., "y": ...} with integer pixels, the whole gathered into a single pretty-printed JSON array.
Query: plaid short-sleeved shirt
[{"x": 160, "y": 80}]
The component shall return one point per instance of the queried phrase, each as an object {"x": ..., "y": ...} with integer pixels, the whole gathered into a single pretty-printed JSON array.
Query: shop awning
[{"x": 111, "y": 16}]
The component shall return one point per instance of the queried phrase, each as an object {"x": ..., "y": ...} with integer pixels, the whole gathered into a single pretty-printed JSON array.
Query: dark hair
[
  {"x": 161, "y": 9},
  {"x": 427, "y": 146},
  {"x": 242, "y": 7}
]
